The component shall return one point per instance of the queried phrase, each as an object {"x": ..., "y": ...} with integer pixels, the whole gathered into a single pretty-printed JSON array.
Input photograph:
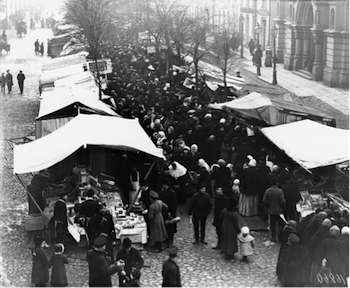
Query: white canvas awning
[
  {"x": 60, "y": 98},
  {"x": 84, "y": 79},
  {"x": 112, "y": 132},
  {"x": 50, "y": 76},
  {"x": 60, "y": 62},
  {"x": 310, "y": 144}
]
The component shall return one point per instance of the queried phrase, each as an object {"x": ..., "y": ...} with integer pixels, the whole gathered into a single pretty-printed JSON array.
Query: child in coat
[
  {"x": 57, "y": 262},
  {"x": 246, "y": 243}
]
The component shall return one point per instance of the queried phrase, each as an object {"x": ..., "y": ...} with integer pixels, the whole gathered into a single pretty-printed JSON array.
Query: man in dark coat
[
  {"x": 292, "y": 195},
  {"x": 295, "y": 264},
  {"x": 220, "y": 202},
  {"x": 132, "y": 259},
  {"x": 200, "y": 208},
  {"x": 99, "y": 270},
  {"x": 168, "y": 196},
  {"x": 263, "y": 170},
  {"x": 275, "y": 202},
  {"x": 101, "y": 224},
  {"x": 20, "y": 79},
  {"x": 222, "y": 177},
  {"x": 171, "y": 271},
  {"x": 90, "y": 206},
  {"x": 9, "y": 81},
  {"x": 59, "y": 222}
]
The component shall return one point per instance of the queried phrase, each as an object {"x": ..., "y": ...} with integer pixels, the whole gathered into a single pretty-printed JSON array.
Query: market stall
[{"x": 271, "y": 111}]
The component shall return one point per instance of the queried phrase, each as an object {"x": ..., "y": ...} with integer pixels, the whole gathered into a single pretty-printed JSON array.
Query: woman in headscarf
[
  {"x": 248, "y": 200},
  {"x": 229, "y": 229},
  {"x": 194, "y": 156},
  {"x": 284, "y": 240},
  {"x": 204, "y": 176},
  {"x": 315, "y": 247},
  {"x": 294, "y": 264},
  {"x": 40, "y": 270},
  {"x": 180, "y": 175}
]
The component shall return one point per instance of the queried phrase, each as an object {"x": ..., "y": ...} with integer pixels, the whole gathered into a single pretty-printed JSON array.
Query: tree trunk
[
  {"x": 98, "y": 78},
  {"x": 196, "y": 68}
]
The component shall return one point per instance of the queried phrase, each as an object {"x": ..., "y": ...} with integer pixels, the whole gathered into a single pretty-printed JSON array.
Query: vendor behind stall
[
  {"x": 35, "y": 188},
  {"x": 71, "y": 185}
]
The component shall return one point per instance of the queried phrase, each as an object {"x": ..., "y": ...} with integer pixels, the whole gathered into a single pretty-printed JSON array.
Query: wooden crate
[{"x": 34, "y": 222}]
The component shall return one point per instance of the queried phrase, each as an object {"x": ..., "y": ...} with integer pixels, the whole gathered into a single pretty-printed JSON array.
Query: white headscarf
[
  {"x": 202, "y": 163},
  {"x": 178, "y": 171}
]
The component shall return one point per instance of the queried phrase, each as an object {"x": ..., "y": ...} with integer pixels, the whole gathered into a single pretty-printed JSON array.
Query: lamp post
[
  {"x": 241, "y": 18},
  {"x": 258, "y": 50},
  {"x": 274, "y": 31}
]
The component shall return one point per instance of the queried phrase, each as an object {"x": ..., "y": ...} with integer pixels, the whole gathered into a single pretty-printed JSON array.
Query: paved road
[{"x": 200, "y": 265}]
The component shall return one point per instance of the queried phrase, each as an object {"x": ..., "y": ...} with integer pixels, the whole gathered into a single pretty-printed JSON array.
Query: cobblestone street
[{"x": 201, "y": 266}]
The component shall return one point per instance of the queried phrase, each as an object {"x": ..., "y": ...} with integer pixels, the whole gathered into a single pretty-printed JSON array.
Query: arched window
[
  {"x": 332, "y": 18},
  {"x": 291, "y": 11}
]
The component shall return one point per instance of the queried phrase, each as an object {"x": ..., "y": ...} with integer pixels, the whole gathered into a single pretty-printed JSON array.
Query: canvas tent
[
  {"x": 271, "y": 111},
  {"x": 68, "y": 96},
  {"x": 84, "y": 79},
  {"x": 83, "y": 130},
  {"x": 309, "y": 143},
  {"x": 60, "y": 62}
]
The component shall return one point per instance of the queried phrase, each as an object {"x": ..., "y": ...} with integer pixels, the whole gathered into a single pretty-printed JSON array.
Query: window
[
  {"x": 291, "y": 11},
  {"x": 332, "y": 18},
  {"x": 278, "y": 9}
]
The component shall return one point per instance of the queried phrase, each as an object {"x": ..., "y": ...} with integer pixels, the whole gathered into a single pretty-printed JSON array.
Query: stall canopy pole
[
  {"x": 139, "y": 190},
  {"x": 30, "y": 195}
]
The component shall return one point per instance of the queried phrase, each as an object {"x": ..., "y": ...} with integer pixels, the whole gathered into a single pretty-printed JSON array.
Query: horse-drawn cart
[{"x": 4, "y": 45}]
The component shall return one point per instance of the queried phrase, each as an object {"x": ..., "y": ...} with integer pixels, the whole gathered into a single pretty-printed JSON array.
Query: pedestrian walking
[
  {"x": 156, "y": 221},
  {"x": 40, "y": 270},
  {"x": 200, "y": 208},
  {"x": 36, "y": 47},
  {"x": 9, "y": 81},
  {"x": 229, "y": 229},
  {"x": 57, "y": 262},
  {"x": 3, "y": 83},
  {"x": 274, "y": 200},
  {"x": 171, "y": 271},
  {"x": 20, "y": 78},
  {"x": 246, "y": 243},
  {"x": 251, "y": 46},
  {"x": 220, "y": 202},
  {"x": 42, "y": 49},
  {"x": 99, "y": 270},
  {"x": 133, "y": 261}
]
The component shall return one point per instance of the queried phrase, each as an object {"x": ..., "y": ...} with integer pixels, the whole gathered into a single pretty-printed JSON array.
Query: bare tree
[
  {"x": 224, "y": 48},
  {"x": 197, "y": 45},
  {"x": 93, "y": 18}
]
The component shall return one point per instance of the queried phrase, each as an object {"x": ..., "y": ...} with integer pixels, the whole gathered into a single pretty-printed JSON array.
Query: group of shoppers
[{"x": 7, "y": 80}]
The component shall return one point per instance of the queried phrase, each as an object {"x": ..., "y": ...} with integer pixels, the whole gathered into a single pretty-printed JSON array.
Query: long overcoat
[
  {"x": 229, "y": 231},
  {"x": 40, "y": 270},
  {"x": 58, "y": 273},
  {"x": 171, "y": 274},
  {"x": 156, "y": 221},
  {"x": 295, "y": 266}
]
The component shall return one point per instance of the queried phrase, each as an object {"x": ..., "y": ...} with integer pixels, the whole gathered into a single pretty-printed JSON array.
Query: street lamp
[
  {"x": 274, "y": 31},
  {"x": 241, "y": 18},
  {"x": 258, "y": 50}
]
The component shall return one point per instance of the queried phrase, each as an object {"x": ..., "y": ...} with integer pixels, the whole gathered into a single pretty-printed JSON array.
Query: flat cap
[
  {"x": 100, "y": 241},
  {"x": 153, "y": 194}
]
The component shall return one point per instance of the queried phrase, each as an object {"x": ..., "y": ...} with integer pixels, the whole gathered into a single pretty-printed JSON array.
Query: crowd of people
[{"x": 220, "y": 165}]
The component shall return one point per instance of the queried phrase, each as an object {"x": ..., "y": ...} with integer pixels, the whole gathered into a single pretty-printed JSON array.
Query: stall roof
[
  {"x": 60, "y": 62},
  {"x": 258, "y": 106},
  {"x": 83, "y": 79},
  {"x": 50, "y": 76},
  {"x": 61, "y": 98},
  {"x": 309, "y": 143},
  {"x": 107, "y": 131}
]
